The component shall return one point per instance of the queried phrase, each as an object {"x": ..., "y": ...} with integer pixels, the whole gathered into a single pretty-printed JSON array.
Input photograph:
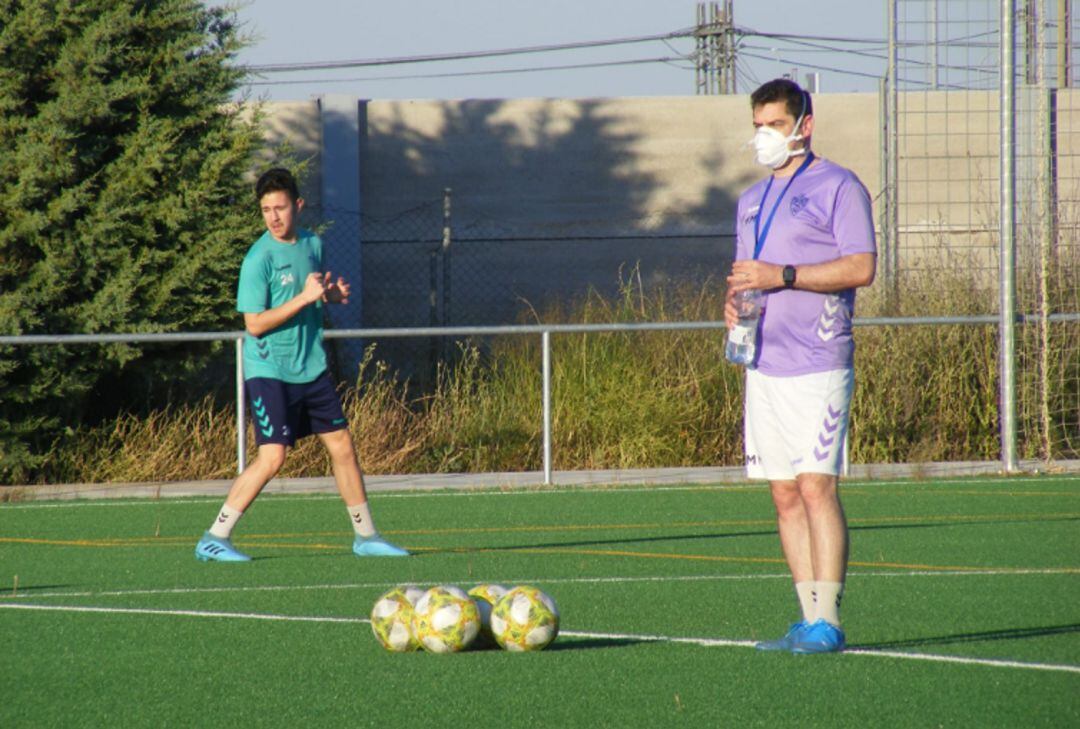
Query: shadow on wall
[{"x": 549, "y": 199}]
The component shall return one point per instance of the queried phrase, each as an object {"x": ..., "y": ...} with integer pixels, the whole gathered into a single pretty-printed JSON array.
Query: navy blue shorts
[{"x": 284, "y": 412}]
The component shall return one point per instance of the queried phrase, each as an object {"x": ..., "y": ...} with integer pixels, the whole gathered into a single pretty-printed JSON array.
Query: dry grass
[{"x": 621, "y": 400}]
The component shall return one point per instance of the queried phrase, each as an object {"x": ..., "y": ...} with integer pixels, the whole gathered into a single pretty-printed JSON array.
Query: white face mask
[{"x": 771, "y": 147}]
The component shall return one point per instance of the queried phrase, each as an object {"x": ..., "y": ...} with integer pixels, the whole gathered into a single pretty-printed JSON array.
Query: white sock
[
  {"x": 805, "y": 591},
  {"x": 828, "y": 601},
  {"x": 363, "y": 524},
  {"x": 226, "y": 520}
]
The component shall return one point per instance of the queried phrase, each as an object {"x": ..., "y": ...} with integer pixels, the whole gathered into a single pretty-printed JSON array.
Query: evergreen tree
[{"x": 125, "y": 200}]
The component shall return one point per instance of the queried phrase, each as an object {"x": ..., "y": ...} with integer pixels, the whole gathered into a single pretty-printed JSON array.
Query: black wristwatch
[{"x": 789, "y": 277}]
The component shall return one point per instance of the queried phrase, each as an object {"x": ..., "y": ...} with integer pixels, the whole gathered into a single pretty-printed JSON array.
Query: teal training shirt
[{"x": 271, "y": 274}]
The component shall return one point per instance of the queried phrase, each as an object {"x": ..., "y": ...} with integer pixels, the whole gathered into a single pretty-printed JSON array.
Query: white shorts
[{"x": 796, "y": 424}]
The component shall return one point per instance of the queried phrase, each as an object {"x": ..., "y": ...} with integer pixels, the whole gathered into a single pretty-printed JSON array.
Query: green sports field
[{"x": 962, "y": 609}]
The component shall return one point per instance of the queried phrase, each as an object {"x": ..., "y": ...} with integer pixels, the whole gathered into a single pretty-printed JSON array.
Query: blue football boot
[
  {"x": 376, "y": 546},
  {"x": 821, "y": 637},
  {"x": 788, "y": 641},
  {"x": 216, "y": 549}
]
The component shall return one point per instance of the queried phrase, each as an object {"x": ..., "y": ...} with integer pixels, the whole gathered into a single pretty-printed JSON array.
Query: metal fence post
[
  {"x": 545, "y": 345},
  {"x": 241, "y": 430},
  {"x": 892, "y": 186},
  {"x": 1007, "y": 234}
]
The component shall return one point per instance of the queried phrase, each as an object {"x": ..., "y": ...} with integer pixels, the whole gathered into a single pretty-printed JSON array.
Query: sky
[{"x": 309, "y": 31}]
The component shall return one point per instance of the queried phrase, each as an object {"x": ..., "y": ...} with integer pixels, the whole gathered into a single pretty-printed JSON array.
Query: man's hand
[
  {"x": 335, "y": 292},
  {"x": 314, "y": 288},
  {"x": 750, "y": 274}
]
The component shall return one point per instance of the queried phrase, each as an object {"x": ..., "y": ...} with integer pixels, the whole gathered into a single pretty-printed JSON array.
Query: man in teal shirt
[{"x": 281, "y": 294}]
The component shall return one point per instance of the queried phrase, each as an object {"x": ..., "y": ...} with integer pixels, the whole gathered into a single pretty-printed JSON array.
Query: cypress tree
[{"x": 125, "y": 202}]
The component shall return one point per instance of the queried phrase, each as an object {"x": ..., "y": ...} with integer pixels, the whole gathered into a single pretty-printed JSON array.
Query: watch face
[{"x": 789, "y": 275}]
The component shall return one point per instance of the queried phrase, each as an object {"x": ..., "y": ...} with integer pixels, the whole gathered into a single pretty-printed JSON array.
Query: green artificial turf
[{"x": 662, "y": 591}]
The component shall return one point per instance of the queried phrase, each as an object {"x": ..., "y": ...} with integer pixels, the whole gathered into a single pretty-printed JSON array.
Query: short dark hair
[
  {"x": 796, "y": 99},
  {"x": 277, "y": 179}
]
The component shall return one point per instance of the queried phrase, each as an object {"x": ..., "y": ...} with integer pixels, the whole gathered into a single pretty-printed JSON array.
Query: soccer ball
[
  {"x": 525, "y": 619},
  {"x": 445, "y": 620},
  {"x": 391, "y": 619},
  {"x": 486, "y": 596}
]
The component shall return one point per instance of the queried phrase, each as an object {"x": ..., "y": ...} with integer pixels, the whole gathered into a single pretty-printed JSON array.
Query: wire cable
[
  {"x": 458, "y": 74},
  {"x": 467, "y": 55}
]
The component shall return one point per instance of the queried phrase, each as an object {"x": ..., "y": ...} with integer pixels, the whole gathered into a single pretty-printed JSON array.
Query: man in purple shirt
[{"x": 805, "y": 239}]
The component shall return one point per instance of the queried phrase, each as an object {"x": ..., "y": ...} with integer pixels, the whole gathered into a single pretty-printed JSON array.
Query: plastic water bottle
[{"x": 742, "y": 339}]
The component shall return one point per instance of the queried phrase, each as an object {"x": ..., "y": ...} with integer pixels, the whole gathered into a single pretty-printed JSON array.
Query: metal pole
[
  {"x": 700, "y": 45},
  {"x": 1007, "y": 234},
  {"x": 933, "y": 44},
  {"x": 1064, "y": 40},
  {"x": 885, "y": 176},
  {"x": 241, "y": 429},
  {"x": 729, "y": 45},
  {"x": 545, "y": 345},
  {"x": 447, "y": 234},
  {"x": 892, "y": 253}
]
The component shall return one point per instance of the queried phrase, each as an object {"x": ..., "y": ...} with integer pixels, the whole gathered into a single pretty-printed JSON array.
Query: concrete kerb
[{"x": 521, "y": 480}]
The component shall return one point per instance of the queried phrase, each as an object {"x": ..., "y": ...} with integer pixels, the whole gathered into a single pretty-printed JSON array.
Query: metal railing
[{"x": 543, "y": 330}]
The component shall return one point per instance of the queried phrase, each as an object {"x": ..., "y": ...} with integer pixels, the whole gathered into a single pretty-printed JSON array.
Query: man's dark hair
[
  {"x": 277, "y": 179},
  {"x": 796, "y": 99}
]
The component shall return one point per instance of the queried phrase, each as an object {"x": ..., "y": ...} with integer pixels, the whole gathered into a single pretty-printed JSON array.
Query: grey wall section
[{"x": 551, "y": 197}]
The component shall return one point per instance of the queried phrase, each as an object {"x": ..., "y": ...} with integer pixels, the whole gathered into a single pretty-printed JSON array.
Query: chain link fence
[
  {"x": 445, "y": 263},
  {"x": 942, "y": 162}
]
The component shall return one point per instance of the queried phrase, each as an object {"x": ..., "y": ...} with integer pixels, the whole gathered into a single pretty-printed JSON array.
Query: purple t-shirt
[{"x": 825, "y": 214}]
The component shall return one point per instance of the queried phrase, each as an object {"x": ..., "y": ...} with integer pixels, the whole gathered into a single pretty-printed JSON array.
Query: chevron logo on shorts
[
  {"x": 827, "y": 437},
  {"x": 262, "y": 418}
]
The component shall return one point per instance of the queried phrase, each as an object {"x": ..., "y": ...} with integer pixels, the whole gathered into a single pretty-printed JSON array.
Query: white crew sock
[
  {"x": 226, "y": 520},
  {"x": 363, "y": 524},
  {"x": 805, "y": 591},
  {"x": 828, "y": 601}
]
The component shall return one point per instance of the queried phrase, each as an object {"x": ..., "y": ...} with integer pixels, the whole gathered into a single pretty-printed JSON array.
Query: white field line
[
  {"x": 704, "y": 642},
  {"x": 532, "y": 581}
]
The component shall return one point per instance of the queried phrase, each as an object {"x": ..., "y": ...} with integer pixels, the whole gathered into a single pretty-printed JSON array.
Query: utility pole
[{"x": 714, "y": 56}]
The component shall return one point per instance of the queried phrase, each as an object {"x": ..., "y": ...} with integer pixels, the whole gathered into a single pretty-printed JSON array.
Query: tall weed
[{"x": 628, "y": 399}]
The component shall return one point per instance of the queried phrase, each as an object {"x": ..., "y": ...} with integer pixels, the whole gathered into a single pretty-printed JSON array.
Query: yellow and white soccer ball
[
  {"x": 445, "y": 620},
  {"x": 525, "y": 619},
  {"x": 486, "y": 596},
  {"x": 391, "y": 619}
]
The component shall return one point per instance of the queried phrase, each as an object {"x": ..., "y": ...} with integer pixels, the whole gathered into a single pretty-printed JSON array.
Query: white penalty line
[
  {"x": 1002, "y": 572},
  {"x": 630, "y": 637},
  {"x": 931, "y": 657}
]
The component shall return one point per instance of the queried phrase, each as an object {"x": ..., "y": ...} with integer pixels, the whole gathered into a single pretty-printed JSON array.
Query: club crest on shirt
[{"x": 798, "y": 203}]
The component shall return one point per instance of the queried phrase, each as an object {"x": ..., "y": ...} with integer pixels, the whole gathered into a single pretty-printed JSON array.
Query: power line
[
  {"x": 743, "y": 31},
  {"x": 493, "y": 72},
  {"x": 466, "y": 55},
  {"x": 818, "y": 67}
]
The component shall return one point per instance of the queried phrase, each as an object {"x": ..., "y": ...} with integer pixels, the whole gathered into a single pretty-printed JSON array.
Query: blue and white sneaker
[
  {"x": 376, "y": 546},
  {"x": 821, "y": 637},
  {"x": 788, "y": 641},
  {"x": 216, "y": 549}
]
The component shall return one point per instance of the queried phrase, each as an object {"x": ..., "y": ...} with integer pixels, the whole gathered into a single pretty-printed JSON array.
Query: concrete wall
[
  {"x": 553, "y": 198},
  {"x": 550, "y": 196}
]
